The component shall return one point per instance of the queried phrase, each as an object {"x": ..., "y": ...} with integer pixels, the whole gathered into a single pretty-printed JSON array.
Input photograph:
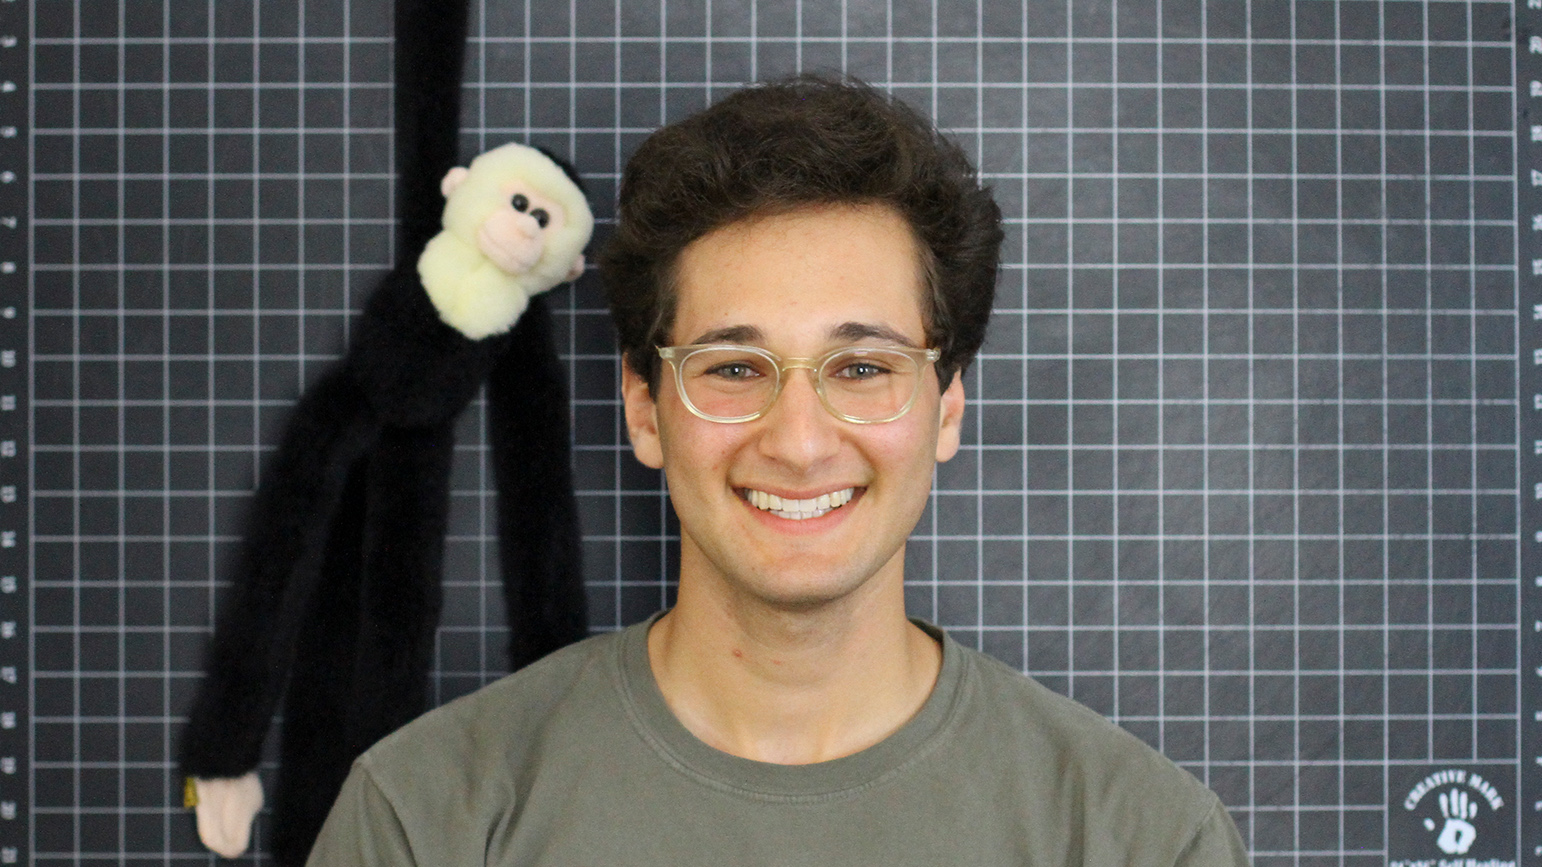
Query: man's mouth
[{"x": 797, "y": 510}]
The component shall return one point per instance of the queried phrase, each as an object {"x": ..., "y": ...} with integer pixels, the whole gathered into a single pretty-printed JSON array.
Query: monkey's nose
[{"x": 529, "y": 226}]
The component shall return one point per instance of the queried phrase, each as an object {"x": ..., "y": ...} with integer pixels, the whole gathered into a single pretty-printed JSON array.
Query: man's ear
[
  {"x": 642, "y": 418},
  {"x": 950, "y": 418}
]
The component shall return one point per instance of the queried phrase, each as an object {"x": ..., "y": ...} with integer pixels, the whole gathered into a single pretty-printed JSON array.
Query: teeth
[{"x": 798, "y": 510}]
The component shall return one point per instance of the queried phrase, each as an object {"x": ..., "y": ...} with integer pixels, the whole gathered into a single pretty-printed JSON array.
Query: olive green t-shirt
[{"x": 577, "y": 761}]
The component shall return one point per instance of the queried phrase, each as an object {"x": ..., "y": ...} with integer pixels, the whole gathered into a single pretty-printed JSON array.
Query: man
[{"x": 798, "y": 277}]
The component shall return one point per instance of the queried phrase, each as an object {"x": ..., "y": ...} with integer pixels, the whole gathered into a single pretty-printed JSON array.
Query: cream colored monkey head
[{"x": 521, "y": 211}]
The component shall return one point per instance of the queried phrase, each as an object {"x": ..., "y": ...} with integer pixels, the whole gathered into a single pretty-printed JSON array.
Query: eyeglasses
[{"x": 734, "y": 384}]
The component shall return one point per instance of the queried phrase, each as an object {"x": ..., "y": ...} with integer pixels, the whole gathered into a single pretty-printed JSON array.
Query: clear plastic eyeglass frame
[{"x": 677, "y": 356}]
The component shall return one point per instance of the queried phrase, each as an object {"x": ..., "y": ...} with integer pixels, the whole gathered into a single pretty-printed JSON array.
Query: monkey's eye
[
  {"x": 541, "y": 217},
  {"x": 519, "y": 202}
]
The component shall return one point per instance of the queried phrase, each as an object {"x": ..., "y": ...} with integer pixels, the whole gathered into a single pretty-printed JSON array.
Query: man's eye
[
  {"x": 861, "y": 370},
  {"x": 520, "y": 203},
  {"x": 733, "y": 370},
  {"x": 541, "y": 217}
]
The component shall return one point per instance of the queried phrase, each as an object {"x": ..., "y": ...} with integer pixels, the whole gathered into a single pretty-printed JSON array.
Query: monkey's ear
[
  {"x": 576, "y": 271},
  {"x": 453, "y": 179}
]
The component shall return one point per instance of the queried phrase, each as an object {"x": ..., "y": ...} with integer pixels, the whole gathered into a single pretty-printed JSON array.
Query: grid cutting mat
[{"x": 1240, "y": 468}]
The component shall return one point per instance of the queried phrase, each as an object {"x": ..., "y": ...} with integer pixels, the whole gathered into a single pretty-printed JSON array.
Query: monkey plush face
[
  {"x": 514, "y": 236},
  {"x": 514, "y": 224}
]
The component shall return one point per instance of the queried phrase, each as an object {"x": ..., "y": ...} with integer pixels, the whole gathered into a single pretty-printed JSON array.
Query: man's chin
[
  {"x": 805, "y": 594},
  {"x": 796, "y": 577}
]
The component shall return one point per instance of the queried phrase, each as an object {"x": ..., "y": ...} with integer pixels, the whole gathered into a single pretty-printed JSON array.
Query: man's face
[{"x": 797, "y": 284}]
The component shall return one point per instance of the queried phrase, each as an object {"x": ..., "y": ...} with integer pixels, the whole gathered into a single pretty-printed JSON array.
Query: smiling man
[
  {"x": 798, "y": 278},
  {"x": 788, "y": 642}
]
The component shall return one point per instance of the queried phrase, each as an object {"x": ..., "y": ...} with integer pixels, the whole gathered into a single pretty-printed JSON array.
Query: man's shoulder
[
  {"x": 501, "y": 721},
  {"x": 1072, "y": 778},
  {"x": 1103, "y": 765},
  {"x": 441, "y": 782}
]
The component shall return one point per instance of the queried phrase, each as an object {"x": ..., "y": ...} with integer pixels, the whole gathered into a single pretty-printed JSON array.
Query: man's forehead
[{"x": 835, "y": 273}]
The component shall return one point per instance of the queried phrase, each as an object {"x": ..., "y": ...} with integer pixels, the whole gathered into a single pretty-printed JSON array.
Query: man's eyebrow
[
  {"x": 731, "y": 334},
  {"x": 853, "y": 331},
  {"x": 846, "y": 332}
]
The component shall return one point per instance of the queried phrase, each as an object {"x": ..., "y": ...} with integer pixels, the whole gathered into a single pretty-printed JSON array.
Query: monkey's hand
[{"x": 225, "y": 808}]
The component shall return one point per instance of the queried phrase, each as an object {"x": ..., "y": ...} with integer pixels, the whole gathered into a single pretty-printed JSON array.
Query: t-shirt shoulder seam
[
  {"x": 1198, "y": 827},
  {"x": 363, "y": 766}
]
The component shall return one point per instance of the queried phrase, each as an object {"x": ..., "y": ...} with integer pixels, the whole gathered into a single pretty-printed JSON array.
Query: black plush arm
[
  {"x": 404, "y": 369},
  {"x": 273, "y": 578},
  {"x": 538, "y": 531}
]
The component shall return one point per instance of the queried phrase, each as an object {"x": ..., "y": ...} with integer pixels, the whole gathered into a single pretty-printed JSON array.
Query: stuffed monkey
[
  {"x": 335, "y": 592},
  {"x": 514, "y": 225},
  {"x": 339, "y": 575}
]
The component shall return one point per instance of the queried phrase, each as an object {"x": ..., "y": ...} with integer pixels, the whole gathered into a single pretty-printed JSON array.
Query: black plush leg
[
  {"x": 273, "y": 579},
  {"x": 409, "y": 502},
  {"x": 538, "y": 530},
  {"x": 362, "y": 668},
  {"x": 314, "y": 753}
]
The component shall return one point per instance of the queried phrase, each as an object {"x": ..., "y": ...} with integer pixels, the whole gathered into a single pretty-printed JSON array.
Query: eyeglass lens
[{"x": 868, "y": 384}]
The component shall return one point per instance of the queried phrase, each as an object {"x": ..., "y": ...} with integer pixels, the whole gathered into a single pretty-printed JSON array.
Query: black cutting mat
[{"x": 1241, "y": 466}]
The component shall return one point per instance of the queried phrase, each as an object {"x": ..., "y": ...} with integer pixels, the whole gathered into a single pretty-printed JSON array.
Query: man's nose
[{"x": 798, "y": 430}]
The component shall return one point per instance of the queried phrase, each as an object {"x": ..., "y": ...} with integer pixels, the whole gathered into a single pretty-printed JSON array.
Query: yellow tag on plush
[{"x": 189, "y": 793}]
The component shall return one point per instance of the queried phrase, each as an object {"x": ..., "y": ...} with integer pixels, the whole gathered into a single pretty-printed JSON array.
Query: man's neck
[{"x": 792, "y": 687}]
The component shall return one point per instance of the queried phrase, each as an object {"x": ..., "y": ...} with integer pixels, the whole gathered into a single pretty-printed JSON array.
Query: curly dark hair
[{"x": 776, "y": 147}]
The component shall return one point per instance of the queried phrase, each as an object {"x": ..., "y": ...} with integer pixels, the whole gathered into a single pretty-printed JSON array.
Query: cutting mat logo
[
  {"x": 1457, "y": 834},
  {"x": 1452, "y": 815}
]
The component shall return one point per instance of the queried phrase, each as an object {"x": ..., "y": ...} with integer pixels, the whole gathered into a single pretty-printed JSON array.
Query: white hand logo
[{"x": 1457, "y": 835}]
